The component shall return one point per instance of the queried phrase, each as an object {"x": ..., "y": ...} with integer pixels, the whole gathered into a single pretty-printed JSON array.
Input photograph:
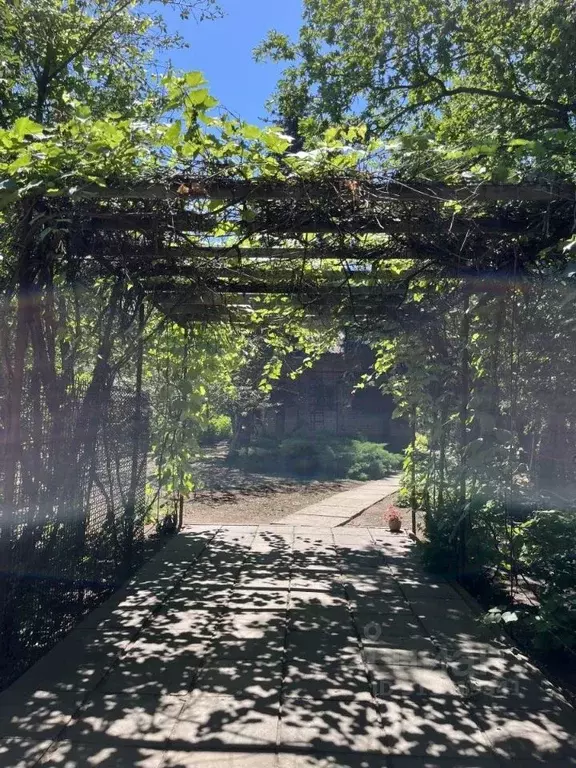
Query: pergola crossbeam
[
  {"x": 310, "y": 291},
  {"x": 267, "y": 239},
  {"x": 167, "y": 259},
  {"x": 235, "y": 191},
  {"x": 302, "y": 225}
]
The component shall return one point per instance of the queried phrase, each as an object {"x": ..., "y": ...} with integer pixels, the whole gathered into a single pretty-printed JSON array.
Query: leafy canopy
[
  {"x": 99, "y": 53},
  {"x": 491, "y": 68}
]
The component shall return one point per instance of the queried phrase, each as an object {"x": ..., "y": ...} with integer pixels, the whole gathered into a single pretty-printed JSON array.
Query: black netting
[{"x": 75, "y": 529}]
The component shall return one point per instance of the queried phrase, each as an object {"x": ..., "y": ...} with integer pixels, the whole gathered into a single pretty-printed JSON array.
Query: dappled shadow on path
[{"x": 284, "y": 647}]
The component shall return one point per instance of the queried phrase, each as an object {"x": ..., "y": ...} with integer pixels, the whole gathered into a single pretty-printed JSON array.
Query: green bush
[
  {"x": 301, "y": 456},
  {"x": 540, "y": 551},
  {"x": 328, "y": 456},
  {"x": 547, "y": 559},
  {"x": 323, "y": 456},
  {"x": 219, "y": 428},
  {"x": 371, "y": 461},
  {"x": 547, "y": 554},
  {"x": 485, "y": 527},
  {"x": 261, "y": 456}
]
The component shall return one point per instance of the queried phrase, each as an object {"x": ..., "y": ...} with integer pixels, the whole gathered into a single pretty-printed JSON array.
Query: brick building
[{"x": 321, "y": 400}]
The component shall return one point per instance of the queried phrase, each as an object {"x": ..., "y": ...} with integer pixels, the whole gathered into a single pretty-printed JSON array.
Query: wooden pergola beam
[
  {"x": 377, "y": 225},
  {"x": 307, "y": 291},
  {"x": 165, "y": 260},
  {"x": 184, "y": 313},
  {"x": 235, "y": 191},
  {"x": 163, "y": 273},
  {"x": 373, "y": 225}
]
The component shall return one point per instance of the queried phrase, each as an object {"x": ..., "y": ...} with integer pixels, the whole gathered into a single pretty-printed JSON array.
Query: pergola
[
  {"x": 342, "y": 250},
  {"x": 211, "y": 248}
]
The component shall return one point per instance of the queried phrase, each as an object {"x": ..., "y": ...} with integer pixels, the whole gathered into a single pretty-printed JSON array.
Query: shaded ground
[
  {"x": 266, "y": 500},
  {"x": 285, "y": 647},
  {"x": 213, "y": 473}
]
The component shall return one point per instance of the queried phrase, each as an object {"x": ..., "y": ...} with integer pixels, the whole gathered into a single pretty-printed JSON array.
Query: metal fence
[{"x": 75, "y": 529}]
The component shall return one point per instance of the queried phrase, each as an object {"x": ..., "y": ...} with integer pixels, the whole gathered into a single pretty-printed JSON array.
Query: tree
[
  {"x": 80, "y": 106},
  {"x": 98, "y": 53},
  {"x": 467, "y": 68}
]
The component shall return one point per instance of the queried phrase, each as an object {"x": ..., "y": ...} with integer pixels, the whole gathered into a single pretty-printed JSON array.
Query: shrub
[
  {"x": 338, "y": 457},
  {"x": 323, "y": 456},
  {"x": 485, "y": 530},
  {"x": 548, "y": 548},
  {"x": 553, "y": 625},
  {"x": 219, "y": 428},
  {"x": 301, "y": 456},
  {"x": 261, "y": 456},
  {"x": 548, "y": 560},
  {"x": 541, "y": 549},
  {"x": 372, "y": 461}
]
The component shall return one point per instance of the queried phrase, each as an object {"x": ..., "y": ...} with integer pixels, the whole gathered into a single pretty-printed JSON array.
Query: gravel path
[{"x": 230, "y": 495}]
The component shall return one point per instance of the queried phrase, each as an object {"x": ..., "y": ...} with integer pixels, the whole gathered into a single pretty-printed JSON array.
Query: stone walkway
[
  {"x": 342, "y": 507},
  {"x": 284, "y": 647}
]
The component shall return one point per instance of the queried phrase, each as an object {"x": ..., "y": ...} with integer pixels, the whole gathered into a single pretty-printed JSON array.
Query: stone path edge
[{"x": 363, "y": 497}]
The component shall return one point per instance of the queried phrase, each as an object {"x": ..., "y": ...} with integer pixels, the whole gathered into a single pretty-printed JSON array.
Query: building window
[{"x": 324, "y": 397}]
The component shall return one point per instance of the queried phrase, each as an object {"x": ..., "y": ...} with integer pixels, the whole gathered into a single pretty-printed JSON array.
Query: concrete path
[
  {"x": 343, "y": 507},
  {"x": 281, "y": 647}
]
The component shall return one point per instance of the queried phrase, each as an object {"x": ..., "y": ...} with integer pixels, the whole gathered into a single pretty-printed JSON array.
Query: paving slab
[
  {"x": 329, "y": 726},
  {"x": 22, "y": 753},
  {"x": 335, "y": 760},
  {"x": 113, "y": 719},
  {"x": 445, "y": 762},
  {"x": 68, "y": 754},
  {"x": 430, "y": 726},
  {"x": 517, "y": 735},
  {"x": 309, "y": 650},
  {"x": 219, "y": 721},
  {"x": 343, "y": 507},
  {"x": 309, "y": 521},
  {"x": 39, "y": 715},
  {"x": 219, "y": 758}
]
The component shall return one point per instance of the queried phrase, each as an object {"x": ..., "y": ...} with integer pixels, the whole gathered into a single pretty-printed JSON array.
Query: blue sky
[{"x": 222, "y": 49}]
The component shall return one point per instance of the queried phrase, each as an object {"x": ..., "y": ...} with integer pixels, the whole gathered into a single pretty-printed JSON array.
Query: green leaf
[
  {"x": 25, "y": 127},
  {"x": 172, "y": 135},
  {"x": 194, "y": 79},
  {"x": 22, "y": 161},
  {"x": 251, "y": 132},
  {"x": 201, "y": 98},
  {"x": 276, "y": 142},
  {"x": 523, "y": 143}
]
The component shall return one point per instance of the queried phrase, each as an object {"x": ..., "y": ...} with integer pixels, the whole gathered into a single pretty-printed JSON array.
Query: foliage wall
[{"x": 465, "y": 92}]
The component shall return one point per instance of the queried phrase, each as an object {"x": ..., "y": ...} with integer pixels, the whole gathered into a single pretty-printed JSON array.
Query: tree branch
[{"x": 90, "y": 37}]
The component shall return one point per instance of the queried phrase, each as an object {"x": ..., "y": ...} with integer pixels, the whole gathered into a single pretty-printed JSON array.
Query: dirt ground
[
  {"x": 263, "y": 502},
  {"x": 376, "y": 516},
  {"x": 230, "y": 495}
]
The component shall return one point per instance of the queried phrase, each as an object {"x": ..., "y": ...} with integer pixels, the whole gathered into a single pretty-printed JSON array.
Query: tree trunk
[
  {"x": 463, "y": 433},
  {"x": 413, "y": 495},
  {"x": 442, "y": 454},
  {"x": 130, "y": 511}
]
